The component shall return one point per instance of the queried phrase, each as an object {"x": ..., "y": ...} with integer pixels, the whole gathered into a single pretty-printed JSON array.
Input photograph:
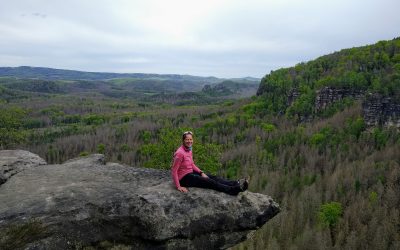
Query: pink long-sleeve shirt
[{"x": 183, "y": 164}]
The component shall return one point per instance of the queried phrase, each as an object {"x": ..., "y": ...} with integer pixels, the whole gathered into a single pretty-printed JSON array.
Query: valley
[{"x": 301, "y": 138}]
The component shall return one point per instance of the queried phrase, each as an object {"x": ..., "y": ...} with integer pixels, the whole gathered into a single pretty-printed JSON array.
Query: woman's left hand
[{"x": 204, "y": 175}]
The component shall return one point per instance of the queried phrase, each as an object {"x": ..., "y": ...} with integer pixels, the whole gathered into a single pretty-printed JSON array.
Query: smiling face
[{"x": 188, "y": 140}]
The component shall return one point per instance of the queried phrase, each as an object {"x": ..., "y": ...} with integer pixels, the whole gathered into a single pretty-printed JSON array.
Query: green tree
[
  {"x": 356, "y": 127},
  {"x": 380, "y": 138},
  {"x": 11, "y": 124},
  {"x": 329, "y": 215},
  {"x": 145, "y": 136},
  {"x": 95, "y": 119},
  {"x": 101, "y": 148}
]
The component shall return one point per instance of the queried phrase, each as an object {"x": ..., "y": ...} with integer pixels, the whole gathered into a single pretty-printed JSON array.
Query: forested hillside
[
  {"x": 374, "y": 68},
  {"x": 229, "y": 88},
  {"x": 336, "y": 177}
]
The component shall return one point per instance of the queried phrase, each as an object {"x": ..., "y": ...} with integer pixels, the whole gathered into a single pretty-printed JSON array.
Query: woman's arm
[
  {"x": 178, "y": 158},
  {"x": 198, "y": 170}
]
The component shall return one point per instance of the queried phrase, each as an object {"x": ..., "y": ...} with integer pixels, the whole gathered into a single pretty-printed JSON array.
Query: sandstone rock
[
  {"x": 292, "y": 96},
  {"x": 377, "y": 109},
  {"x": 15, "y": 161},
  {"x": 86, "y": 202},
  {"x": 328, "y": 95},
  {"x": 381, "y": 110}
]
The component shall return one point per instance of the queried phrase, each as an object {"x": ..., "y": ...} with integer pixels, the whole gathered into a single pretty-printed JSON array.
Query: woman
[{"x": 186, "y": 174}]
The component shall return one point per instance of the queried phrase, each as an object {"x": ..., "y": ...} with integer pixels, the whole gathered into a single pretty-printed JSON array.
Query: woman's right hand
[{"x": 183, "y": 189}]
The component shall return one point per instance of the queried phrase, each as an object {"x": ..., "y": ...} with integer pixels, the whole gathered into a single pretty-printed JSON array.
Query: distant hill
[
  {"x": 231, "y": 87},
  {"x": 20, "y": 82},
  {"x": 62, "y": 74},
  {"x": 138, "y": 81}
]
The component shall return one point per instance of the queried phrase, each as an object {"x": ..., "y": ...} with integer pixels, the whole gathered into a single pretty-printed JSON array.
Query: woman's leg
[
  {"x": 223, "y": 181},
  {"x": 194, "y": 180}
]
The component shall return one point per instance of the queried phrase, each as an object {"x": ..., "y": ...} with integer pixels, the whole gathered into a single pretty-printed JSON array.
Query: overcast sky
[{"x": 223, "y": 38}]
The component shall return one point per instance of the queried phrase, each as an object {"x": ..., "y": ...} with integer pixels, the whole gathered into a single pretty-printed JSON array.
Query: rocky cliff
[
  {"x": 88, "y": 202},
  {"x": 327, "y": 95},
  {"x": 377, "y": 109},
  {"x": 381, "y": 110}
]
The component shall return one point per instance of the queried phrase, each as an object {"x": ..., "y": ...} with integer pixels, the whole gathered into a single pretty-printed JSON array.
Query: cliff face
[
  {"x": 87, "y": 202},
  {"x": 326, "y": 96},
  {"x": 292, "y": 96},
  {"x": 381, "y": 110},
  {"x": 377, "y": 109}
]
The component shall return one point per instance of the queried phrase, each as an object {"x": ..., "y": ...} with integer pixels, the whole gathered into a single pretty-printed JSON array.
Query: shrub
[
  {"x": 101, "y": 148},
  {"x": 330, "y": 213},
  {"x": 83, "y": 153}
]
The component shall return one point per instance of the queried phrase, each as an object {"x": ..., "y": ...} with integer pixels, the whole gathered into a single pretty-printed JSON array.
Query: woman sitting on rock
[{"x": 186, "y": 174}]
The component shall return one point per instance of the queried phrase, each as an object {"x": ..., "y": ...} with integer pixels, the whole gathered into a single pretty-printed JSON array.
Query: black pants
[{"x": 212, "y": 182}]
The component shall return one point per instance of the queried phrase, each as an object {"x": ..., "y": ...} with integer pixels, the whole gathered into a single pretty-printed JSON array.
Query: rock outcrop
[
  {"x": 15, "y": 161},
  {"x": 381, "y": 110},
  {"x": 377, "y": 109},
  {"x": 87, "y": 202},
  {"x": 327, "y": 95},
  {"x": 292, "y": 96},
  {"x": 217, "y": 90}
]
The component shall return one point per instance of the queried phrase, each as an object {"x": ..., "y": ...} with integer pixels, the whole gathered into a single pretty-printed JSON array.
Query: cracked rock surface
[{"x": 15, "y": 161}]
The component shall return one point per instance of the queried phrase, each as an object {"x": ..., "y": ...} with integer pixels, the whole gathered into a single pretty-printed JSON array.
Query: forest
[{"x": 336, "y": 179}]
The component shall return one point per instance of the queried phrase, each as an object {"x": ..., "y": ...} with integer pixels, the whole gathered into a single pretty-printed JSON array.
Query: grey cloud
[{"x": 241, "y": 38}]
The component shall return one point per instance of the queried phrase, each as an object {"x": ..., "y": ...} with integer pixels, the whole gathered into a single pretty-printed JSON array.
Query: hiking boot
[{"x": 244, "y": 184}]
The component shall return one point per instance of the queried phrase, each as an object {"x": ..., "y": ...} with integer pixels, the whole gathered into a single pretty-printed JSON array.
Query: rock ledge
[{"x": 86, "y": 202}]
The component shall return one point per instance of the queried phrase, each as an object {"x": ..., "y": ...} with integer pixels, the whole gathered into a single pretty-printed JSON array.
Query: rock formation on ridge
[
  {"x": 328, "y": 95},
  {"x": 381, "y": 110},
  {"x": 377, "y": 109},
  {"x": 86, "y": 202}
]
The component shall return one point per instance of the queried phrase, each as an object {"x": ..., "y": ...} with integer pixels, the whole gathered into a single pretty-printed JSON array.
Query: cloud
[{"x": 210, "y": 37}]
